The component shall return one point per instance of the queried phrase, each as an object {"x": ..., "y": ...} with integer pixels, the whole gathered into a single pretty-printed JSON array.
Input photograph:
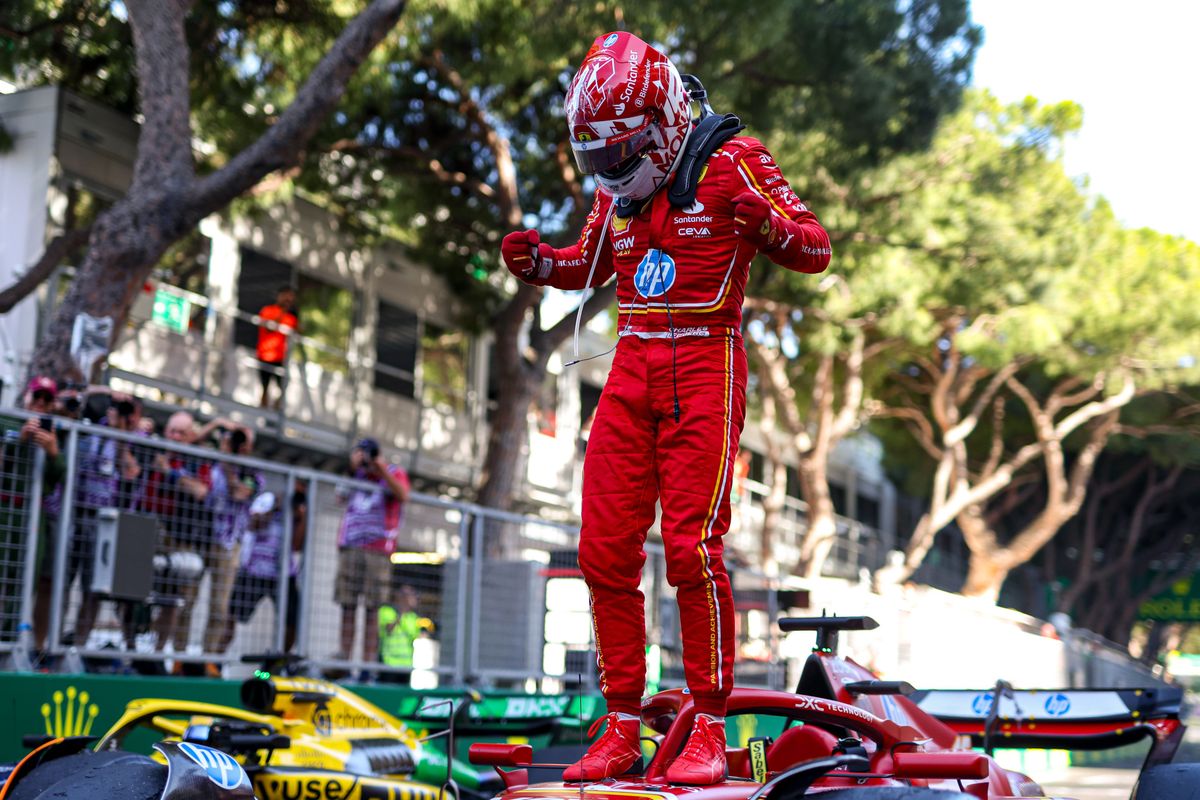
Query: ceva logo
[
  {"x": 1057, "y": 705},
  {"x": 74, "y": 718},
  {"x": 220, "y": 767}
]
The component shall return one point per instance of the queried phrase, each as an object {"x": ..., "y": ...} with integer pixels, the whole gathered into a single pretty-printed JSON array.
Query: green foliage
[
  {"x": 408, "y": 155},
  {"x": 985, "y": 244},
  {"x": 80, "y": 44},
  {"x": 444, "y": 367},
  {"x": 328, "y": 319}
]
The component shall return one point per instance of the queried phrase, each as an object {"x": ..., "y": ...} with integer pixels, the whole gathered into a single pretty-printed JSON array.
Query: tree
[
  {"x": 453, "y": 136},
  {"x": 830, "y": 370},
  {"x": 167, "y": 197},
  {"x": 1135, "y": 534},
  {"x": 487, "y": 88},
  {"x": 1041, "y": 306}
]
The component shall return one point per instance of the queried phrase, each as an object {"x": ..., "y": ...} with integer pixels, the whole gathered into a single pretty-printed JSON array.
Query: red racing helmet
[{"x": 628, "y": 115}]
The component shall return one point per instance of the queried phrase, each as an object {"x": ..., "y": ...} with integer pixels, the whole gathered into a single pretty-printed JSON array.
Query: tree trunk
[
  {"x": 985, "y": 576},
  {"x": 126, "y": 242},
  {"x": 954, "y": 492},
  {"x": 517, "y": 382},
  {"x": 165, "y": 199},
  {"x": 58, "y": 249},
  {"x": 773, "y": 503},
  {"x": 519, "y": 378},
  {"x": 989, "y": 563},
  {"x": 822, "y": 522}
]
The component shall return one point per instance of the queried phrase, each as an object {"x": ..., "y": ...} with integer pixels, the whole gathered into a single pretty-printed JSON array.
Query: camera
[
  {"x": 95, "y": 408},
  {"x": 125, "y": 408},
  {"x": 72, "y": 403},
  {"x": 237, "y": 440}
]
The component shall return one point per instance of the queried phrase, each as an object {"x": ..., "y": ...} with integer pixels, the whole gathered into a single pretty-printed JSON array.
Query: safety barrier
[{"x": 243, "y": 556}]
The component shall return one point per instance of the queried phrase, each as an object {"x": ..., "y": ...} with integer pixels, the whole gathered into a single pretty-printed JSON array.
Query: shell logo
[{"x": 74, "y": 718}]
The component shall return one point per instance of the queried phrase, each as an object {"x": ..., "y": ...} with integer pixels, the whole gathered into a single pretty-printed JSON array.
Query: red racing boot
[
  {"x": 702, "y": 761},
  {"x": 617, "y": 749}
]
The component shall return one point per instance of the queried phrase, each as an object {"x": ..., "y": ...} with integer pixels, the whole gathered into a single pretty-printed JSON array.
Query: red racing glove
[
  {"x": 754, "y": 222},
  {"x": 527, "y": 257}
]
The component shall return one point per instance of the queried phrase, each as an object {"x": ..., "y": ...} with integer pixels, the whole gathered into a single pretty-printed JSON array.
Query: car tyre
[
  {"x": 100, "y": 775},
  {"x": 1168, "y": 782}
]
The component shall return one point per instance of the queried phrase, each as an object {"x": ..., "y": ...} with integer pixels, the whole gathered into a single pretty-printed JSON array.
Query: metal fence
[{"x": 241, "y": 556}]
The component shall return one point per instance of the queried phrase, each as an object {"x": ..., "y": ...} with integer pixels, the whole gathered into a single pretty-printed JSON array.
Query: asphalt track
[
  {"x": 1091, "y": 783},
  {"x": 1112, "y": 783}
]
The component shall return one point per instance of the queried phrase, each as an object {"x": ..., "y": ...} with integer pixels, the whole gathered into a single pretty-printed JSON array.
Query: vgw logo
[
  {"x": 655, "y": 275},
  {"x": 1057, "y": 705},
  {"x": 220, "y": 767},
  {"x": 73, "y": 719}
]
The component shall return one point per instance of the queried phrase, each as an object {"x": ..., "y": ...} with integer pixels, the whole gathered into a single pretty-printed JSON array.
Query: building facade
[{"x": 381, "y": 351}]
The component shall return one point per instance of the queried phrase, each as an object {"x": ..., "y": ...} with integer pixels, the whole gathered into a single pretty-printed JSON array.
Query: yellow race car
[{"x": 305, "y": 739}]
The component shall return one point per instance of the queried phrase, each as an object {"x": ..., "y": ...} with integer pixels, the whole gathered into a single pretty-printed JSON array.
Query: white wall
[
  {"x": 25, "y": 171},
  {"x": 935, "y": 639}
]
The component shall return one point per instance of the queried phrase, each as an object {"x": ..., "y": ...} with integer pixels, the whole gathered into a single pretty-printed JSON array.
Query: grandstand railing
[{"x": 204, "y": 365}]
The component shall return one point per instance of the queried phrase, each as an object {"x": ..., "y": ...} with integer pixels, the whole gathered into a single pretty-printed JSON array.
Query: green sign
[
  {"x": 171, "y": 311},
  {"x": 1180, "y": 603},
  {"x": 88, "y": 705}
]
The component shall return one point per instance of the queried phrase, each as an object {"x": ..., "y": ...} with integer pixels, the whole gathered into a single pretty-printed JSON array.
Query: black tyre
[
  {"x": 1168, "y": 782},
  {"x": 892, "y": 793},
  {"x": 100, "y": 776}
]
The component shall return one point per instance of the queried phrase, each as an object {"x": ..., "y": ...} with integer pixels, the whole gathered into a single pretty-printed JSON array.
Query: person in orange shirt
[{"x": 273, "y": 340}]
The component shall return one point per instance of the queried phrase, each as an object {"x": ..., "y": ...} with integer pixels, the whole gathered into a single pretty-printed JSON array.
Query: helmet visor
[{"x": 602, "y": 155}]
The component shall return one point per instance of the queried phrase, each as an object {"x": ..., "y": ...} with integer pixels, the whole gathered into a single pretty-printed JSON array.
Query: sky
[{"x": 1135, "y": 70}]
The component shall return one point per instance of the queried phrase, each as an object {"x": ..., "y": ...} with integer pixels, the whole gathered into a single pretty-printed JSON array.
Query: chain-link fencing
[
  {"x": 22, "y": 463},
  {"x": 163, "y": 556}
]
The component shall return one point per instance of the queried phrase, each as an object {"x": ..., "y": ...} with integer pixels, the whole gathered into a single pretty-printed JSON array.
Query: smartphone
[{"x": 46, "y": 423}]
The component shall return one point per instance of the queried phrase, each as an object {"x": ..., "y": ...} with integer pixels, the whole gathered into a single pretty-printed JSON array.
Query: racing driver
[{"x": 679, "y": 213}]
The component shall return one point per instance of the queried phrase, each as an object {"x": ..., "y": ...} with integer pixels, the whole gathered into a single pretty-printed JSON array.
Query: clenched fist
[
  {"x": 527, "y": 257},
  {"x": 753, "y": 220}
]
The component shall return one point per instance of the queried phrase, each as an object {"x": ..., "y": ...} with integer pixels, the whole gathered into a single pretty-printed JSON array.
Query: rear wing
[{"x": 1067, "y": 719}]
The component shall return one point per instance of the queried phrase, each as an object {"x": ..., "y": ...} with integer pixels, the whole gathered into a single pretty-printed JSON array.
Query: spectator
[
  {"x": 176, "y": 489},
  {"x": 69, "y": 400},
  {"x": 259, "y": 576},
  {"x": 107, "y": 473},
  {"x": 366, "y": 541},
  {"x": 399, "y": 627},
  {"x": 37, "y": 433},
  {"x": 282, "y": 320},
  {"x": 232, "y": 487}
]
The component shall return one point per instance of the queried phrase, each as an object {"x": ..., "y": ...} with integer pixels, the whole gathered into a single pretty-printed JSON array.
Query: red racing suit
[{"x": 681, "y": 278}]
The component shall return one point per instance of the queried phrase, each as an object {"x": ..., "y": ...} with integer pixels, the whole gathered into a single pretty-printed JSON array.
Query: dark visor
[{"x": 600, "y": 155}]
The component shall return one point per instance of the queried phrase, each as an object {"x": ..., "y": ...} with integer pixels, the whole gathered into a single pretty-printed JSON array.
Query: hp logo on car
[
  {"x": 982, "y": 703},
  {"x": 220, "y": 767},
  {"x": 1057, "y": 705}
]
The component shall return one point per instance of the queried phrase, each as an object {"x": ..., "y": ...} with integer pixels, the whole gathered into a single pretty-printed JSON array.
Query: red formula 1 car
[{"x": 845, "y": 734}]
